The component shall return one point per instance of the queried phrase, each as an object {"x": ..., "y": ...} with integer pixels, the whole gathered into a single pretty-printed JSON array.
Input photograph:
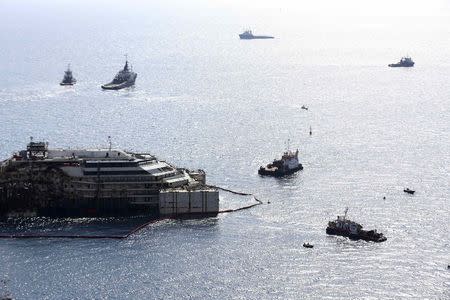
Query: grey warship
[
  {"x": 125, "y": 78},
  {"x": 68, "y": 77},
  {"x": 40, "y": 181},
  {"x": 404, "y": 62},
  {"x": 344, "y": 227},
  {"x": 248, "y": 35}
]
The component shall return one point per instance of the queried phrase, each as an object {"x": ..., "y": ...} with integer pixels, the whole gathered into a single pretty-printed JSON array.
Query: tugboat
[
  {"x": 288, "y": 164},
  {"x": 407, "y": 190},
  {"x": 248, "y": 35},
  {"x": 404, "y": 62},
  {"x": 68, "y": 78},
  {"x": 344, "y": 227},
  {"x": 125, "y": 78}
]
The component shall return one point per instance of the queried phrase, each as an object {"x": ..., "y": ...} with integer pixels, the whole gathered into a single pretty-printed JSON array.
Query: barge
[{"x": 40, "y": 181}]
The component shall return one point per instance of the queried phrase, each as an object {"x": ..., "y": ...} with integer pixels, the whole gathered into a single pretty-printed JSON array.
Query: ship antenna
[
  {"x": 126, "y": 63},
  {"x": 345, "y": 215},
  {"x": 288, "y": 144},
  {"x": 110, "y": 143}
]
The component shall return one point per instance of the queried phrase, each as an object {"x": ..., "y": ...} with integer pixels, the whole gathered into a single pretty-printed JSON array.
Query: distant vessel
[
  {"x": 288, "y": 164},
  {"x": 248, "y": 35},
  {"x": 125, "y": 78},
  {"x": 344, "y": 227},
  {"x": 68, "y": 77},
  {"x": 404, "y": 62},
  {"x": 308, "y": 245}
]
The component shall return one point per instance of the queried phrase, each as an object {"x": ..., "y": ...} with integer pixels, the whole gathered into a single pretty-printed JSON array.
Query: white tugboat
[
  {"x": 344, "y": 227},
  {"x": 288, "y": 164}
]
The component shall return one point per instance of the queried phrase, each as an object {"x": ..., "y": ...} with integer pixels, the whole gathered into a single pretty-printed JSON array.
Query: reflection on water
[
  {"x": 71, "y": 227},
  {"x": 90, "y": 227}
]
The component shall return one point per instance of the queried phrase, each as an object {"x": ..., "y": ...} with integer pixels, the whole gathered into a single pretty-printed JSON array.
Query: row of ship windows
[
  {"x": 145, "y": 199},
  {"x": 130, "y": 178},
  {"x": 114, "y": 186},
  {"x": 134, "y": 178},
  {"x": 111, "y": 165},
  {"x": 122, "y": 172}
]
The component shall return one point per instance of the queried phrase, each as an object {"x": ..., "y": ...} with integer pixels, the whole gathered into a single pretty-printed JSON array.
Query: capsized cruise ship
[{"x": 40, "y": 181}]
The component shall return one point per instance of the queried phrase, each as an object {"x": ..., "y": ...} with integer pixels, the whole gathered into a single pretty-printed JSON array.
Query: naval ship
[
  {"x": 404, "y": 62},
  {"x": 288, "y": 164},
  {"x": 344, "y": 227},
  {"x": 248, "y": 35},
  {"x": 40, "y": 181},
  {"x": 68, "y": 77},
  {"x": 125, "y": 78}
]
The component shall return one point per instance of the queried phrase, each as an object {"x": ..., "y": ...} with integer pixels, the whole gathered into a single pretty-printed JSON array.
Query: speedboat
[{"x": 407, "y": 190}]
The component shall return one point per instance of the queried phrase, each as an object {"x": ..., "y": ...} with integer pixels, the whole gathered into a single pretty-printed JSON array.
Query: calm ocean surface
[{"x": 205, "y": 99}]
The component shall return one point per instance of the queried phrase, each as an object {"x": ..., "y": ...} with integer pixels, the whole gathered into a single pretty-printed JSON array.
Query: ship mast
[
  {"x": 345, "y": 213},
  {"x": 110, "y": 143}
]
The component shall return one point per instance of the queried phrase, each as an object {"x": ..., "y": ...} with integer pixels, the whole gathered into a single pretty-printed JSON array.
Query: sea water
[{"x": 205, "y": 99}]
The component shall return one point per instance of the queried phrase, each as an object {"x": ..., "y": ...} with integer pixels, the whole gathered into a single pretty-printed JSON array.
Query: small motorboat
[
  {"x": 304, "y": 107},
  {"x": 308, "y": 245},
  {"x": 407, "y": 190}
]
